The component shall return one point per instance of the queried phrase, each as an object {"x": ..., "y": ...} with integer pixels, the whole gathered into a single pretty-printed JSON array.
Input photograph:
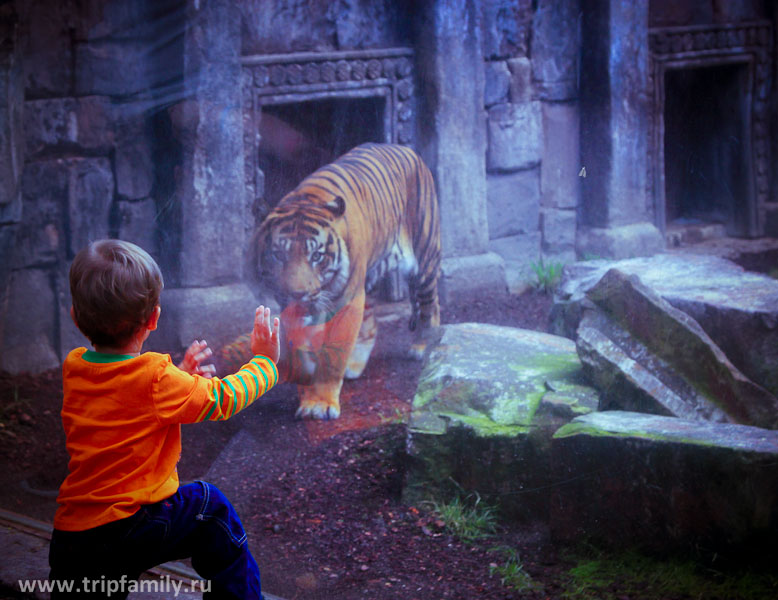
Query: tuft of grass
[
  {"x": 608, "y": 577},
  {"x": 548, "y": 275},
  {"x": 511, "y": 572},
  {"x": 467, "y": 519}
]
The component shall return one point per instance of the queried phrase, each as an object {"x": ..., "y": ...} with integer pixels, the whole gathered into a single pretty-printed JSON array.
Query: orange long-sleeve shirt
[{"x": 122, "y": 417}]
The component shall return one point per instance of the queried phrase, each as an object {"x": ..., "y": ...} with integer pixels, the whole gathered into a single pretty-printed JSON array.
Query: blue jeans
[{"x": 197, "y": 521}]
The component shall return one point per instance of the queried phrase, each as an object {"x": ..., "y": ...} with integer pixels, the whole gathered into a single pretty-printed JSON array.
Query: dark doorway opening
[
  {"x": 706, "y": 147},
  {"x": 298, "y": 138}
]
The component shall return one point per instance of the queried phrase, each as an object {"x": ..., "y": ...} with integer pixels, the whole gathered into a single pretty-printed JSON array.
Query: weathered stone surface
[
  {"x": 42, "y": 238},
  {"x": 518, "y": 252},
  {"x": 29, "y": 323},
  {"x": 736, "y": 308},
  {"x": 212, "y": 250},
  {"x": 90, "y": 195},
  {"x": 513, "y": 202},
  {"x": 137, "y": 223},
  {"x": 521, "y": 89},
  {"x": 664, "y": 483},
  {"x": 487, "y": 402},
  {"x": 11, "y": 105},
  {"x": 47, "y": 46},
  {"x": 560, "y": 166},
  {"x": 497, "y": 82},
  {"x": 614, "y": 109},
  {"x": 669, "y": 344},
  {"x": 514, "y": 136},
  {"x": 626, "y": 241},
  {"x": 506, "y": 27},
  {"x": 68, "y": 125},
  {"x": 558, "y": 227},
  {"x": 555, "y": 49},
  {"x": 471, "y": 275},
  {"x": 452, "y": 110},
  {"x": 133, "y": 159},
  {"x": 110, "y": 67}
]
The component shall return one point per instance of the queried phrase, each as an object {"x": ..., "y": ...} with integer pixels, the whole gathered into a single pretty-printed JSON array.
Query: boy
[{"x": 122, "y": 510}]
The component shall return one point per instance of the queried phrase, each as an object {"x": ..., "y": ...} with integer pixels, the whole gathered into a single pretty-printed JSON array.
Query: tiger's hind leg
[{"x": 363, "y": 348}]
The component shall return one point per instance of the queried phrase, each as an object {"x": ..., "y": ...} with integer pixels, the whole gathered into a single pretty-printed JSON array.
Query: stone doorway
[{"x": 709, "y": 146}]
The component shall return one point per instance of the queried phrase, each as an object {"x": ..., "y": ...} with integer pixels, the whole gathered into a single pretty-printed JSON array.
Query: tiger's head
[{"x": 302, "y": 254}]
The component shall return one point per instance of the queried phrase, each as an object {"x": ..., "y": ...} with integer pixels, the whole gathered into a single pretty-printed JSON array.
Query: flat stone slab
[
  {"x": 636, "y": 480},
  {"x": 738, "y": 309},
  {"x": 488, "y": 400},
  {"x": 645, "y": 355}
]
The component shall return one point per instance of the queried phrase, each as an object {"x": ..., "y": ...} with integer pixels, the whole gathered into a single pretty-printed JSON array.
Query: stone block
[
  {"x": 28, "y": 329},
  {"x": 513, "y": 203},
  {"x": 514, "y": 136},
  {"x": 497, "y": 83},
  {"x": 47, "y": 46},
  {"x": 559, "y": 229},
  {"x": 90, "y": 198},
  {"x": 80, "y": 125},
  {"x": 42, "y": 237},
  {"x": 471, "y": 275},
  {"x": 488, "y": 400},
  {"x": 664, "y": 484},
  {"x": 506, "y": 27},
  {"x": 521, "y": 88},
  {"x": 133, "y": 159},
  {"x": 560, "y": 167},
  {"x": 680, "y": 367},
  {"x": 555, "y": 49},
  {"x": 736, "y": 308},
  {"x": 518, "y": 253},
  {"x": 137, "y": 223},
  {"x": 110, "y": 67},
  {"x": 626, "y": 241}
]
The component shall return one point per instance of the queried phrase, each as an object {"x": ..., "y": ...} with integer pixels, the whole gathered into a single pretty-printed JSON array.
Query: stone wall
[{"x": 531, "y": 98}]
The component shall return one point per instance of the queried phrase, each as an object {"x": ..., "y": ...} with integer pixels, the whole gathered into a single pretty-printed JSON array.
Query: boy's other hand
[
  {"x": 197, "y": 352},
  {"x": 265, "y": 340}
]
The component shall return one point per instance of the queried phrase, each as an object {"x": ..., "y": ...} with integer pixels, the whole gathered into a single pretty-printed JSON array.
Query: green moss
[
  {"x": 573, "y": 428},
  {"x": 610, "y": 576},
  {"x": 483, "y": 426}
]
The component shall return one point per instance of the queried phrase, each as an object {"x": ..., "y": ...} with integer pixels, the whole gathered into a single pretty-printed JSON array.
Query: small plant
[
  {"x": 466, "y": 520},
  {"x": 547, "y": 275},
  {"x": 512, "y": 573}
]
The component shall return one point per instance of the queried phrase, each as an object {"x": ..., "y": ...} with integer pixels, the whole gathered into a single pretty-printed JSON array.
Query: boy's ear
[{"x": 151, "y": 324}]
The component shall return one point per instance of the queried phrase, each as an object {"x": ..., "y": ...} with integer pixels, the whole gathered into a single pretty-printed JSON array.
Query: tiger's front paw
[{"x": 317, "y": 407}]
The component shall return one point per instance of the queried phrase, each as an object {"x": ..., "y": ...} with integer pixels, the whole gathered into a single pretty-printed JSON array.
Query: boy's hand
[
  {"x": 264, "y": 340},
  {"x": 194, "y": 356}
]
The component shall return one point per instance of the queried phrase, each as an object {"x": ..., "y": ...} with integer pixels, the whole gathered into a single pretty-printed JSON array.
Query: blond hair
[{"x": 115, "y": 287}]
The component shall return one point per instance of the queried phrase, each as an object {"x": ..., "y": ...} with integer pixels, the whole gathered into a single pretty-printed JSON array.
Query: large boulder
[
  {"x": 736, "y": 308},
  {"x": 488, "y": 401},
  {"x": 661, "y": 483},
  {"x": 645, "y": 355}
]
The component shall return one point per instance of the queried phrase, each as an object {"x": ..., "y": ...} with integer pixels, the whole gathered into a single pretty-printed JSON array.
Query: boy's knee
[{"x": 217, "y": 511}]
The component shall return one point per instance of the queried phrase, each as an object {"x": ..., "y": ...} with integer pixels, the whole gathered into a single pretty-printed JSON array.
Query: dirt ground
[{"x": 320, "y": 500}]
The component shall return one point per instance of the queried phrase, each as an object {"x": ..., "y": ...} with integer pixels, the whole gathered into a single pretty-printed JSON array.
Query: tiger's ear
[{"x": 337, "y": 206}]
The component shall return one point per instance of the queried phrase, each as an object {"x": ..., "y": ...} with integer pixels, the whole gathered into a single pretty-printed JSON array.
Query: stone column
[
  {"x": 11, "y": 148},
  {"x": 210, "y": 301},
  {"x": 617, "y": 213},
  {"x": 453, "y": 139}
]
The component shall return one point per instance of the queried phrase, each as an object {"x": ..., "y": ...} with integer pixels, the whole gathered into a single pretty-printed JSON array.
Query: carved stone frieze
[{"x": 290, "y": 78}]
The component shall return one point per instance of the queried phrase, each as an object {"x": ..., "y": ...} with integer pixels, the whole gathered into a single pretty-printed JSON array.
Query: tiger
[{"x": 325, "y": 247}]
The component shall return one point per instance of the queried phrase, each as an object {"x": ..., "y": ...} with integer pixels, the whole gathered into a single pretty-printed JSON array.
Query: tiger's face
[{"x": 305, "y": 260}]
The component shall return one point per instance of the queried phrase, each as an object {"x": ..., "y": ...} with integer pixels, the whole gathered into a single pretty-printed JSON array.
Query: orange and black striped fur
[{"x": 329, "y": 242}]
